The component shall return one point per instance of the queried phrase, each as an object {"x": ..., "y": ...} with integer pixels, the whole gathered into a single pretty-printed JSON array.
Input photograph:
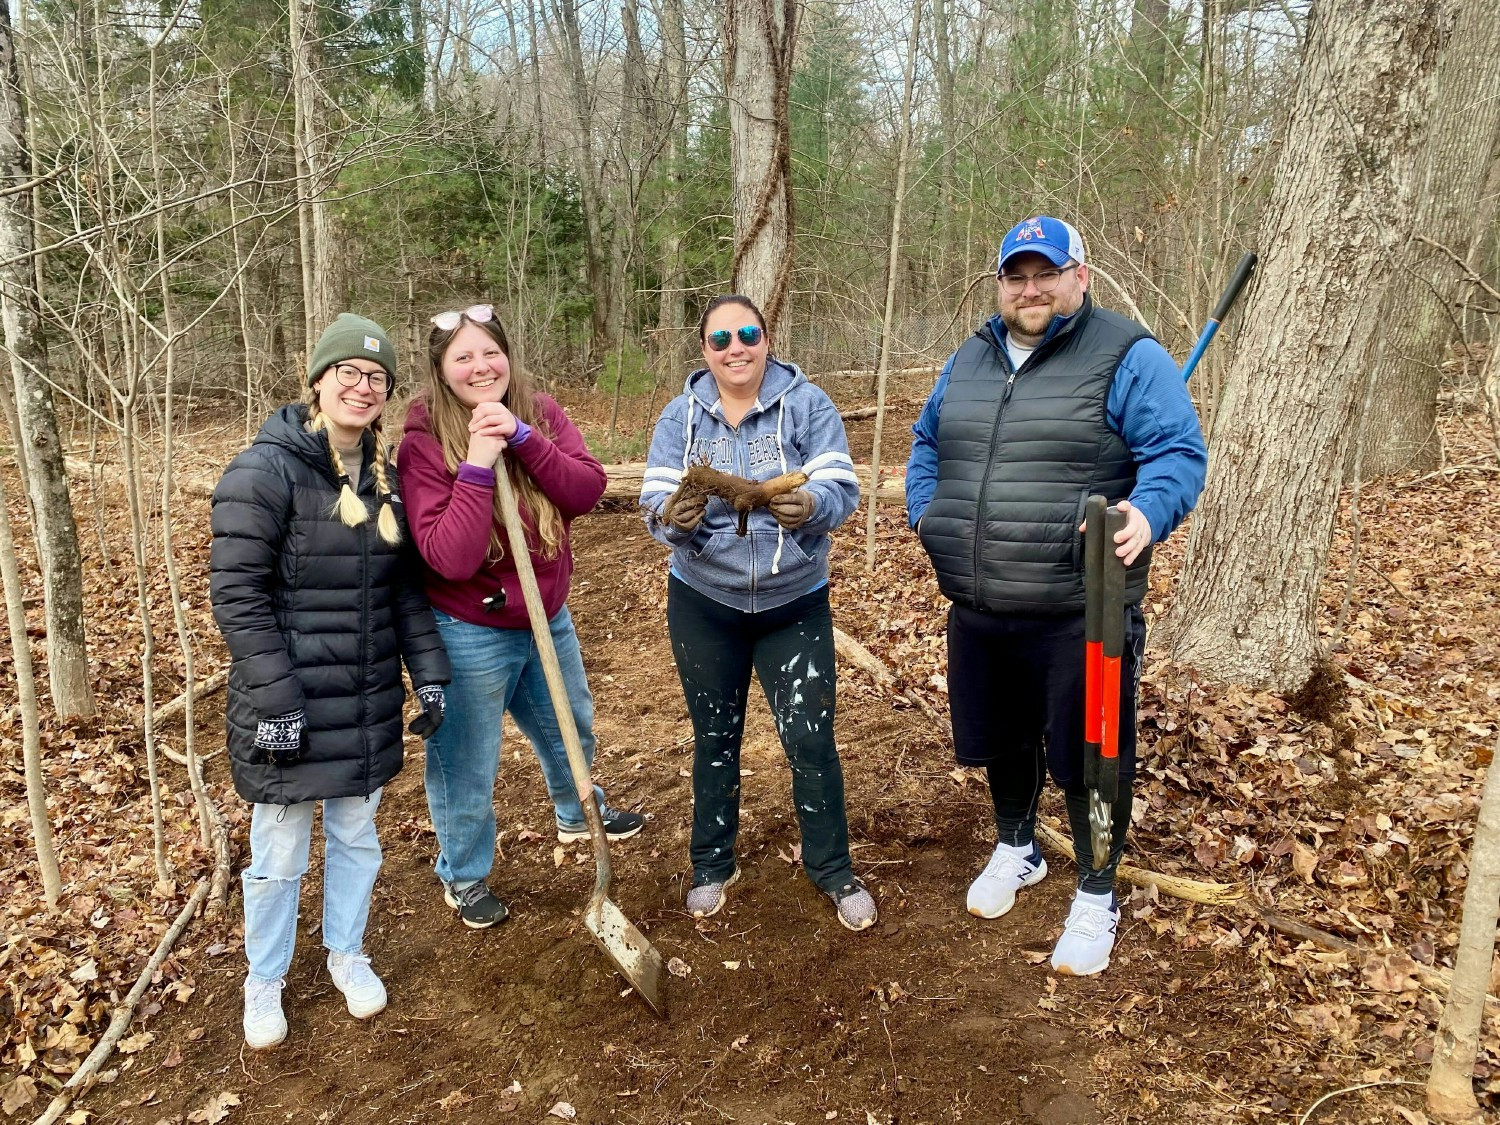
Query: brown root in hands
[{"x": 740, "y": 494}]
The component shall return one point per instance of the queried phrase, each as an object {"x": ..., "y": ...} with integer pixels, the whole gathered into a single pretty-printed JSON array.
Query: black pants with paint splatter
[{"x": 790, "y": 648}]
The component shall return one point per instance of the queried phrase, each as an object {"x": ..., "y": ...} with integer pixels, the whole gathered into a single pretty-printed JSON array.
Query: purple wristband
[
  {"x": 475, "y": 474},
  {"x": 523, "y": 431}
]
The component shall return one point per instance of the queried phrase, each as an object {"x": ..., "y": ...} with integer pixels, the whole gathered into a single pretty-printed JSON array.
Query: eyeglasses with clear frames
[
  {"x": 1044, "y": 280},
  {"x": 479, "y": 314},
  {"x": 350, "y": 376}
]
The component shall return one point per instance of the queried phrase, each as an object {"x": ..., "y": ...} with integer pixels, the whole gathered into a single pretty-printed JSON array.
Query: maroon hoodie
[{"x": 450, "y": 516}]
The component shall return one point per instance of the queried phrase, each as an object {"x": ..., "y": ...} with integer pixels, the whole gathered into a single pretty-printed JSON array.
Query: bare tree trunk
[
  {"x": 892, "y": 269},
  {"x": 52, "y": 510},
  {"x": 31, "y": 737},
  {"x": 169, "y": 554},
  {"x": 671, "y": 308},
  {"x": 1340, "y": 207},
  {"x": 762, "y": 36},
  {"x": 1450, "y": 1083},
  {"x": 602, "y": 262},
  {"x": 322, "y": 269},
  {"x": 1460, "y": 141},
  {"x": 947, "y": 133}
]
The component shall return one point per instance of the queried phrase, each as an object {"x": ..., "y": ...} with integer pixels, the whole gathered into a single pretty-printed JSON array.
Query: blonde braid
[
  {"x": 389, "y": 529},
  {"x": 350, "y": 507}
]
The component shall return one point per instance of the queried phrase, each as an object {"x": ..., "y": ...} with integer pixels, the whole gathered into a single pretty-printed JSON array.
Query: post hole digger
[{"x": 638, "y": 960}]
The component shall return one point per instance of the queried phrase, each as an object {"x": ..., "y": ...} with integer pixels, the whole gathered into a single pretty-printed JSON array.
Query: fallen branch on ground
[
  {"x": 867, "y": 662},
  {"x": 83, "y": 1077},
  {"x": 1190, "y": 890},
  {"x": 203, "y": 688}
]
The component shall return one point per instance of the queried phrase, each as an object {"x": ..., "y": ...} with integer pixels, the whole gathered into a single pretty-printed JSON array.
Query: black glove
[
  {"x": 425, "y": 725},
  {"x": 282, "y": 739}
]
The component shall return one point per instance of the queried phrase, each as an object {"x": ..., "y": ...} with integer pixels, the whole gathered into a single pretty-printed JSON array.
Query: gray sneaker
[
  {"x": 706, "y": 899},
  {"x": 476, "y": 904},
  {"x": 855, "y": 904}
]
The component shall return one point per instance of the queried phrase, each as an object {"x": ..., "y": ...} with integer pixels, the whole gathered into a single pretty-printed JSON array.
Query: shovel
[
  {"x": 1104, "y": 647},
  {"x": 637, "y": 959}
]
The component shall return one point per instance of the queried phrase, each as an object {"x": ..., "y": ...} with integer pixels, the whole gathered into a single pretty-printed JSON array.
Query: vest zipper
[{"x": 984, "y": 483}]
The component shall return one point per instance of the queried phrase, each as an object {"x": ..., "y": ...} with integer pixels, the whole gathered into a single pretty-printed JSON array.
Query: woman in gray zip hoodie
[{"x": 757, "y": 601}]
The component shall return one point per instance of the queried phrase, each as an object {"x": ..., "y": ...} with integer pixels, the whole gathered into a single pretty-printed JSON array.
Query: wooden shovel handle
[{"x": 541, "y": 630}]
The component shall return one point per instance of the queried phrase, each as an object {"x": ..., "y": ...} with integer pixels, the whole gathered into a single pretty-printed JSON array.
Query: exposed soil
[{"x": 932, "y": 1016}]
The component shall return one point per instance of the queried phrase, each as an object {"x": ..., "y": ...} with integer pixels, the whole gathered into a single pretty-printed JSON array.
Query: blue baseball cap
[{"x": 1053, "y": 239}]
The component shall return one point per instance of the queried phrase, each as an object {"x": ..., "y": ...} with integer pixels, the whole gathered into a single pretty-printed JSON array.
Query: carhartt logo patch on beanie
[{"x": 351, "y": 337}]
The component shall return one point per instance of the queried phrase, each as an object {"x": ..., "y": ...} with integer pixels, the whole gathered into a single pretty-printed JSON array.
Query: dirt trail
[{"x": 785, "y": 1017}]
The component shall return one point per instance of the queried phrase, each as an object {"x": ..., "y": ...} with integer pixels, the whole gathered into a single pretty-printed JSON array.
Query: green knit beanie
[{"x": 351, "y": 337}]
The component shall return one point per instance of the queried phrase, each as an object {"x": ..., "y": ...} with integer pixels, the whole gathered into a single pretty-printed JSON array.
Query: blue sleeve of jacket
[
  {"x": 1149, "y": 407},
  {"x": 922, "y": 465},
  {"x": 824, "y": 448},
  {"x": 664, "y": 469}
]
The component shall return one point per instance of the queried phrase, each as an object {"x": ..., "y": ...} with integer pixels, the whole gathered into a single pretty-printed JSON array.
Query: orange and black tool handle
[
  {"x": 1094, "y": 550},
  {"x": 1112, "y": 608}
]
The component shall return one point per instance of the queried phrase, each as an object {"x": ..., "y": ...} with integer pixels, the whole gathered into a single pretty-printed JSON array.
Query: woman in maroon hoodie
[{"x": 475, "y": 407}]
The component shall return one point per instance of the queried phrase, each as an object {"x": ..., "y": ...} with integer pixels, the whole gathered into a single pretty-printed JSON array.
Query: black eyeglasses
[
  {"x": 1044, "y": 280},
  {"x": 350, "y": 376},
  {"x": 479, "y": 314},
  {"x": 749, "y": 335}
]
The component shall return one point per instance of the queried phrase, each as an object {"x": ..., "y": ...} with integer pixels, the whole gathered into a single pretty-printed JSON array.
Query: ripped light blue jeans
[
  {"x": 280, "y": 837},
  {"x": 495, "y": 671}
]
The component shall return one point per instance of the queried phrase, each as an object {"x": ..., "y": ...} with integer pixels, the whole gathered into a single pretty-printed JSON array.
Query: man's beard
[{"x": 1029, "y": 321}]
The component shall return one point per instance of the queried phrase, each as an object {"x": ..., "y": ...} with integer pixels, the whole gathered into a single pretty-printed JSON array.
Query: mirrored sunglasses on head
[
  {"x": 479, "y": 314},
  {"x": 749, "y": 335}
]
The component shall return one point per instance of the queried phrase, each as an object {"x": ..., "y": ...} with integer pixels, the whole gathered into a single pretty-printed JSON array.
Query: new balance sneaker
[
  {"x": 1009, "y": 869},
  {"x": 856, "y": 906},
  {"x": 707, "y": 899},
  {"x": 363, "y": 993},
  {"x": 476, "y": 905},
  {"x": 265, "y": 1026},
  {"x": 618, "y": 825},
  {"x": 1088, "y": 936}
]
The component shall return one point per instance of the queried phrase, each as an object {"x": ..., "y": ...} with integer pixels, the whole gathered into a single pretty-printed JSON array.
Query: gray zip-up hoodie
[{"x": 792, "y": 426}]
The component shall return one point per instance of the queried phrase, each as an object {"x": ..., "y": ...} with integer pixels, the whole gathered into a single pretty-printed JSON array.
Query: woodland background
[{"x": 188, "y": 193}]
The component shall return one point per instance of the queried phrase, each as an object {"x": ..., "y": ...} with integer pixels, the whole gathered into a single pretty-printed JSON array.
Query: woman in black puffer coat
[{"x": 319, "y": 603}]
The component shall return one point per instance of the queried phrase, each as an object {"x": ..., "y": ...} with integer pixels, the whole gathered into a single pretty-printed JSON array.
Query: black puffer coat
[{"x": 317, "y": 617}]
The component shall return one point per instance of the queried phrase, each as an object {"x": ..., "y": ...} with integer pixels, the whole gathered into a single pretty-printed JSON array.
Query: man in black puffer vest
[{"x": 1051, "y": 401}]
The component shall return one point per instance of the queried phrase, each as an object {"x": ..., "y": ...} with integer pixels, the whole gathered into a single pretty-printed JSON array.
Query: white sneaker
[
  {"x": 352, "y": 975},
  {"x": 1009, "y": 869},
  {"x": 265, "y": 1026},
  {"x": 1088, "y": 936}
]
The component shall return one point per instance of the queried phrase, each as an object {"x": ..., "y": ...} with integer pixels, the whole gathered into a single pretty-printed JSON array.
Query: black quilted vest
[{"x": 1019, "y": 451}]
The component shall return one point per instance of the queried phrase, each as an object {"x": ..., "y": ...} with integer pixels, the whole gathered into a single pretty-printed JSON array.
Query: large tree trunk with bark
[
  {"x": 761, "y": 35},
  {"x": 40, "y": 446},
  {"x": 1451, "y": 208},
  {"x": 324, "y": 283},
  {"x": 1340, "y": 210}
]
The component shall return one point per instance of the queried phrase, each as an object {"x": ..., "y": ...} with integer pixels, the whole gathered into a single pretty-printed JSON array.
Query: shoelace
[
  {"x": 264, "y": 999},
  {"x": 1006, "y": 862},
  {"x": 356, "y": 968},
  {"x": 1090, "y": 921},
  {"x": 466, "y": 897}
]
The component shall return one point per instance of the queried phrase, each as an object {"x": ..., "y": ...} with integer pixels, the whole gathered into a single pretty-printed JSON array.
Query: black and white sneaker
[
  {"x": 476, "y": 905},
  {"x": 618, "y": 825}
]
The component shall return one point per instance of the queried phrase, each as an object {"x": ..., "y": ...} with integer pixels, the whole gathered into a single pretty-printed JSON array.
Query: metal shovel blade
[{"x": 637, "y": 959}]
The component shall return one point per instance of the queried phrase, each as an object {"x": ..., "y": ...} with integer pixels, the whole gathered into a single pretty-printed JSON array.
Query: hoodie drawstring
[{"x": 780, "y": 452}]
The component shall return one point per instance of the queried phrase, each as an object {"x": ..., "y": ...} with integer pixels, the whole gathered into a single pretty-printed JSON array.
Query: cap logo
[{"x": 372, "y": 344}]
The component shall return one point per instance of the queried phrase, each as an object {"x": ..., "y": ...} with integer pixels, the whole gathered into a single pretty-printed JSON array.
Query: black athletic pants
[
  {"x": 1015, "y": 692},
  {"x": 790, "y": 649}
]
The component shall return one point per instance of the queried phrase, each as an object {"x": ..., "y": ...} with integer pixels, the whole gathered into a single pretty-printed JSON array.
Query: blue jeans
[
  {"x": 280, "y": 836},
  {"x": 495, "y": 671}
]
